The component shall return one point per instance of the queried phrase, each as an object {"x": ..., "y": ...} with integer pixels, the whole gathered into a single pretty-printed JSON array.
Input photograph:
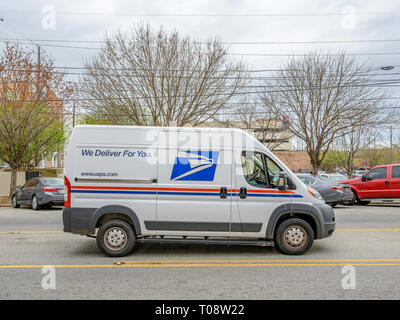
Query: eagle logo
[{"x": 195, "y": 165}]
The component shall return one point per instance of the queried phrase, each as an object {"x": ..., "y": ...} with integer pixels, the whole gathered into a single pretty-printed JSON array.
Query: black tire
[
  {"x": 284, "y": 236},
  {"x": 35, "y": 203},
  {"x": 333, "y": 204},
  {"x": 353, "y": 201},
  {"x": 363, "y": 203},
  {"x": 123, "y": 231},
  {"x": 14, "y": 202}
]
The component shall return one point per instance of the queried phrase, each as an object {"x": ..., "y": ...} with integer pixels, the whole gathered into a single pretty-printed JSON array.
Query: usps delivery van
[{"x": 127, "y": 185}]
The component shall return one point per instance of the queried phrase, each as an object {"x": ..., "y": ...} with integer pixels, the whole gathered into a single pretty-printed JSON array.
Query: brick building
[{"x": 295, "y": 160}]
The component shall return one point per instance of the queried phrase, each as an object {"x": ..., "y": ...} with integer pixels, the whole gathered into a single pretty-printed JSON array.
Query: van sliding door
[{"x": 193, "y": 187}]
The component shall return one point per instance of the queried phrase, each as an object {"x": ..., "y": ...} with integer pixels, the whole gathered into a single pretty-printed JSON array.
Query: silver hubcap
[
  {"x": 14, "y": 201},
  {"x": 295, "y": 236},
  {"x": 34, "y": 202},
  {"x": 115, "y": 238}
]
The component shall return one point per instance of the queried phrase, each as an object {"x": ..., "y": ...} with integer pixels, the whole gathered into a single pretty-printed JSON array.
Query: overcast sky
[
  {"x": 28, "y": 25},
  {"x": 90, "y": 20}
]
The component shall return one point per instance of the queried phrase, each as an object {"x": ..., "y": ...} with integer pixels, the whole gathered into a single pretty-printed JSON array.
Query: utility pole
[
  {"x": 73, "y": 115},
  {"x": 38, "y": 56},
  {"x": 391, "y": 144},
  {"x": 38, "y": 68}
]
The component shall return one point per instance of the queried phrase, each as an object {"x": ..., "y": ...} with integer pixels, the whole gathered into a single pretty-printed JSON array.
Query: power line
[
  {"x": 118, "y": 75},
  {"x": 367, "y": 71},
  {"x": 218, "y": 113},
  {"x": 187, "y": 96},
  {"x": 311, "y": 54},
  {"x": 297, "y": 14},
  {"x": 251, "y": 54},
  {"x": 227, "y": 43}
]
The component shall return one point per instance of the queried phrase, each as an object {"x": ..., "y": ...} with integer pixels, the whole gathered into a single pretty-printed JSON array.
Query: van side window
[
  {"x": 273, "y": 172},
  {"x": 377, "y": 173},
  {"x": 396, "y": 172},
  {"x": 254, "y": 169},
  {"x": 259, "y": 170}
]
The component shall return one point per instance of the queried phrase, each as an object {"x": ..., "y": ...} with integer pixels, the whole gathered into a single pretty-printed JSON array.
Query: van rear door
[{"x": 116, "y": 175}]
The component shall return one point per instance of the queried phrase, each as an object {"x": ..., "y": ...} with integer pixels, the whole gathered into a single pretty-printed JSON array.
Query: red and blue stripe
[{"x": 181, "y": 191}]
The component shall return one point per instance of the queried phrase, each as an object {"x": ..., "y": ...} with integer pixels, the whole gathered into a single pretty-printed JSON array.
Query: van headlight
[{"x": 315, "y": 193}]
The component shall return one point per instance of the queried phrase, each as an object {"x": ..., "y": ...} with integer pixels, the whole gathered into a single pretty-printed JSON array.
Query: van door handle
[
  {"x": 243, "y": 193},
  {"x": 223, "y": 193}
]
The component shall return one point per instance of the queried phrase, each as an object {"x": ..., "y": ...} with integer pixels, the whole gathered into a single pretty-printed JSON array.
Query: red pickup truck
[{"x": 380, "y": 183}]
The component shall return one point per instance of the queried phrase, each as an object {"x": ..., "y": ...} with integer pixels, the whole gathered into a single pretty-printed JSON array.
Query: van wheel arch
[
  {"x": 111, "y": 216},
  {"x": 107, "y": 213},
  {"x": 306, "y": 217},
  {"x": 286, "y": 211}
]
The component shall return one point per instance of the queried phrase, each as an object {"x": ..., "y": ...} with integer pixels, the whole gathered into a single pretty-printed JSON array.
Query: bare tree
[
  {"x": 326, "y": 96},
  {"x": 263, "y": 122},
  {"x": 146, "y": 77},
  {"x": 346, "y": 147},
  {"x": 31, "y": 124}
]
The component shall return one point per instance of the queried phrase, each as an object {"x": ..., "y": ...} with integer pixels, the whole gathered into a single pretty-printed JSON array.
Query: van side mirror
[{"x": 283, "y": 181}]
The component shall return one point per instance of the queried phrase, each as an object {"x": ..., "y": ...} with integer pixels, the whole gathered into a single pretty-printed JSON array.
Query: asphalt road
[{"x": 367, "y": 238}]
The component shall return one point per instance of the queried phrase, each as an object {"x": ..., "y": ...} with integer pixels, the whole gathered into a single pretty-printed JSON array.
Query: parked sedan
[
  {"x": 337, "y": 179},
  {"x": 332, "y": 193},
  {"x": 39, "y": 192}
]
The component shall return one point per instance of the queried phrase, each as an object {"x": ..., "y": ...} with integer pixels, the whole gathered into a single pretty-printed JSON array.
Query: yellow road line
[
  {"x": 257, "y": 261},
  {"x": 367, "y": 229},
  {"x": 200, "y": 265}
]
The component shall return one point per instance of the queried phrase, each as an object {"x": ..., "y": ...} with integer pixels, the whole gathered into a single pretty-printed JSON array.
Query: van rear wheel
[
  {"x": 116, "y": 238},
  {"x": 294, "y": 236}
]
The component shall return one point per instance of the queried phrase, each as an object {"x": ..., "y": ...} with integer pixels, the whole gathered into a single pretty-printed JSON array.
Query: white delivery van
[{"x": 128, "y": 184}]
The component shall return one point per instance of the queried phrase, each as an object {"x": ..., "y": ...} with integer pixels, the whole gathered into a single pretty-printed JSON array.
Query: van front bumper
[{"x": 328, "y": 223}]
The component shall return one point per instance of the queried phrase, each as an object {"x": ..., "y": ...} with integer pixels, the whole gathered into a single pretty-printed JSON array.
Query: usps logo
[{"x": 195, "y": 165}]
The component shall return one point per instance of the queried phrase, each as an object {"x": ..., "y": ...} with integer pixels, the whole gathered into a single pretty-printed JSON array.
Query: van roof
[
  {"x": 115, "y": 135},
  {"x": 112, "y": 127}
]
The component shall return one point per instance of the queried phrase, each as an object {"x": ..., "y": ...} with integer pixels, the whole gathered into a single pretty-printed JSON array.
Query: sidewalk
[{"x": 5, "y": 202}]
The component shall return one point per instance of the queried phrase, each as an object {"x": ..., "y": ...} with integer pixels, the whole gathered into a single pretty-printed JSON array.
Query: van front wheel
[
  {"x": 294, "y": 236},
  {"x": 116, "y": 238}
]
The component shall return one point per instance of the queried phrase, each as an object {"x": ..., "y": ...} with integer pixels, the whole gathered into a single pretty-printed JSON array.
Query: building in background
[{"x": 273, "y": 133}]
